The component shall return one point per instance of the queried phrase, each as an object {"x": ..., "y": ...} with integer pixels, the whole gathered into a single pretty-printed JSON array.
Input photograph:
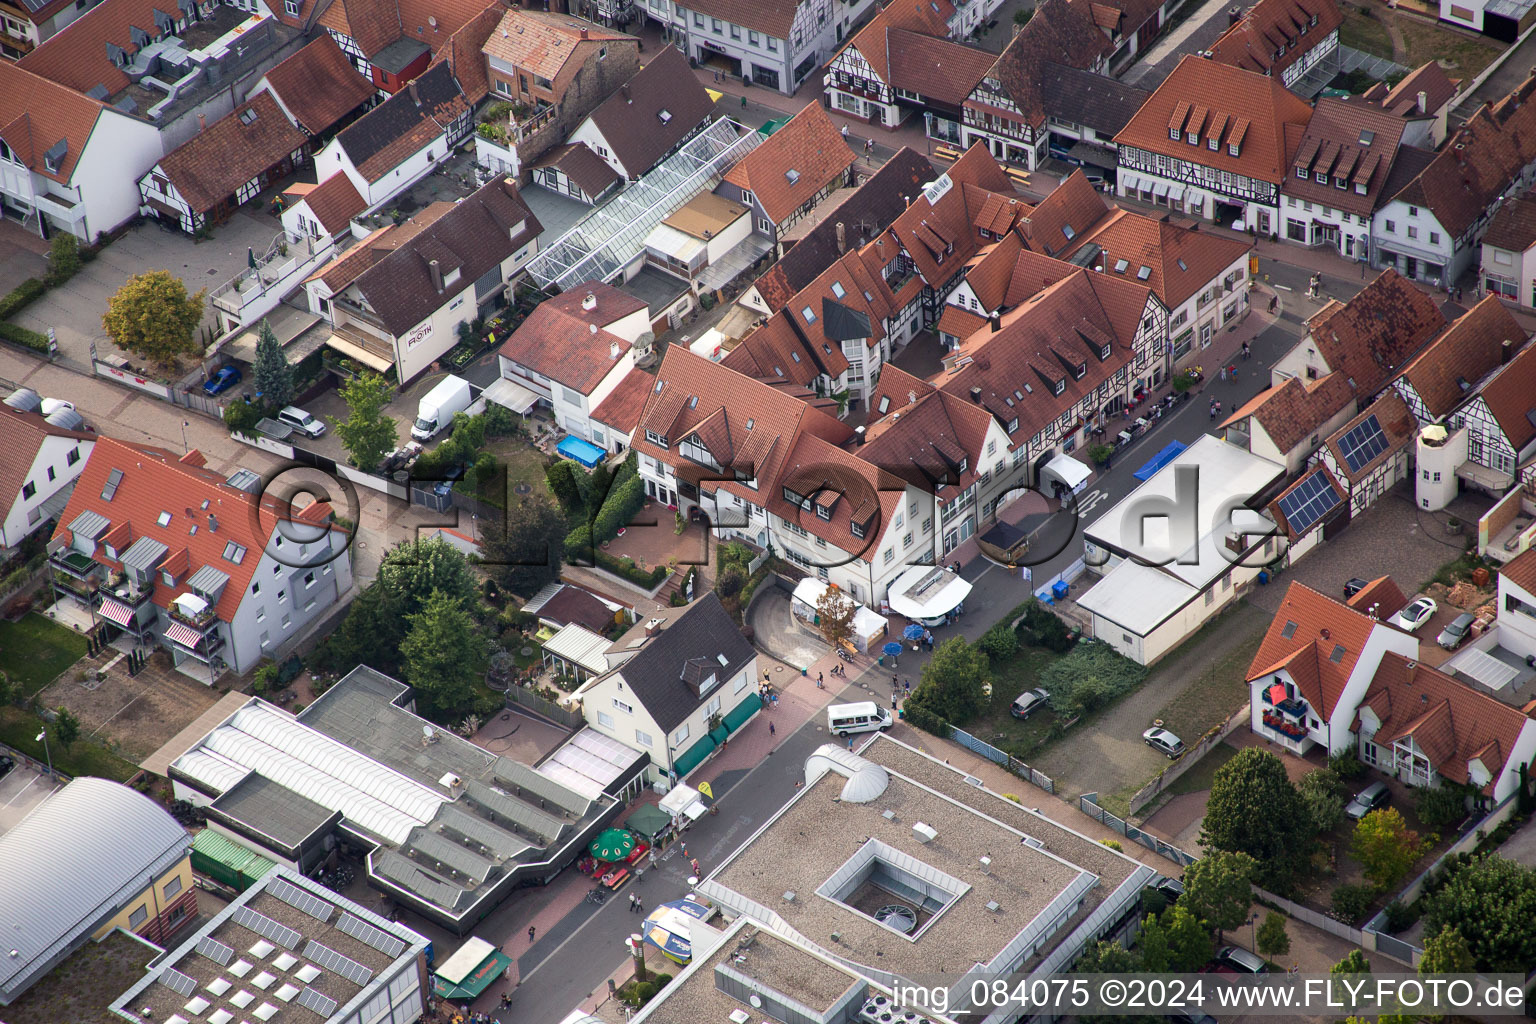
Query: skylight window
[
  {"x": 1066, "y": 229},
  {"x": 1182, "y": 264},
  {"x": 1144, "y": 273},
  {"x": 809, "y": 314},
  {"x": 837, "y": 289},
  {"x": 248, "y": 115},
  {"x": 164, "y": 519},
  {"x": 234, "y": 553},
  {"x": 1121, "y": 265}
]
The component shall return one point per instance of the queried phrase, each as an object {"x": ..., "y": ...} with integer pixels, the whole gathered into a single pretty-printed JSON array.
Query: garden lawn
[
  {"x": 524, "y": 465},
  {"x": 1219, "y": 688},
  {"x": 1462, "y": 56},
  {"x": 19, "y": 729},
  {"x": 35, "y": 651},
  {"x": 997, "y": 726},
  {"x": 1362, "y": 32}
]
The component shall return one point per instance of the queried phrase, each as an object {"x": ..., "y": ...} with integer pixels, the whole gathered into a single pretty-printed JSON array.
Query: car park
[
  {"x": 1029, "y": 702},
  {"x": 1456, "y": 631},
  {"x": 1164, "y": 742},
  {"x": 300, "y": 420},
  {"x": 1412, "y": 618},
  {"x": 1368, "y": 799},
  {"x": 222, "y": 379},
  {"x": 1242, "y": 961}
]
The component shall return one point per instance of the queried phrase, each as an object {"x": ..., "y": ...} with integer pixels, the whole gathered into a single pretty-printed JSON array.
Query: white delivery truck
[{"x": 450, "y": 395}]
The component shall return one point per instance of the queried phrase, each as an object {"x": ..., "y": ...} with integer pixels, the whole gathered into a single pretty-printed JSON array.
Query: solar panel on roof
[
  {"x": 299, "y": 899},
  {"x": 1312, "y": 499},
  {"x": 366, "y": 933},
  {"x": 267, "y": 928},
  {"x": 331, "y": 960},
  {"x": 1364, "y": 442},
  {"x": 215, "y": 950},
  {"x": 319, "y": 1002},
  {"x": 177, "y": 982}
]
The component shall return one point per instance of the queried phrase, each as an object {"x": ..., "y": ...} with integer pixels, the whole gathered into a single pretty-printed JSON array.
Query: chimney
[
  {"x": 976, "y": 394},
  {"x": 437, "y": 275},
  {"x": 1410, "y": 670},
  {"x": 613, "y": 350},
  {"x": 1506, "y": 351},
  {"x": 653, "y": 627},
  {"x": 202, "y": 121},
  {"x": 997, "y": 322},
  {"x": 583, "y": 33},
  {"x": 842, "y": 238},
  {"x": 1423, "y": 102},
  {"x": 415, "y": 95},
  {"x": 1234, "y": 15},
  {"x": 590, "y": 302},
  {"x": 858, "y": 436}
]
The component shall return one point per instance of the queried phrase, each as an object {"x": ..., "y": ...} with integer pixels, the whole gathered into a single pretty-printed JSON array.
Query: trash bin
[
  {"x": 1263, "y": 578},
  {"x": 1059, "y": 590}
]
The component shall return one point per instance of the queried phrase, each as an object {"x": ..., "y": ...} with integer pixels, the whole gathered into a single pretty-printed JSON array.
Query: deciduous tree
[
  {"x": 1273, "y": 939},
  {"x": 1491, "y": 901},
  {"x": 1218, "y": 888},
  {"x": 1386, "y": 847},
  {"x": 367, "y": 432},
  {"x": 1254, "y": 809},
  {"x": 953, "y": 682},
  {"x": 153, "y": 317},
  {"x": 443, "y": 655},
  {"x": 525, "y": 550},
  {"x": 66, "y": 727},
  {"x": 1320, "y": 794},
  {"x": 414, "y": 571},
  {"x": 1447, "y": 952},
  {"x": 834, "y": 617}
]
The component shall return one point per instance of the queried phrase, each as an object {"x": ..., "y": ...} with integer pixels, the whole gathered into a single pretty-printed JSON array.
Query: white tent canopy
[
  {"x": 927, "y": 593},
  {"x": 868, "y": 624},
  {"x": 1066, "y": 471},
  {"x": 683, "y": 801},
  {"x": 468, "y": 956},
  {"x": 511, "y": 395}
]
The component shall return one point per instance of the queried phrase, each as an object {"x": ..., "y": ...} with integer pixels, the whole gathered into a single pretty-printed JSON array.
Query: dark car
[
  {"x": 1028, "y": 703},
  {"x": 1354, "y": 587},
  {"x": 224, "y": 378},
  {"x": 1455, "y": 632},
  {"x": 7, "y": 762},
  {"x": 1171, "y": 888},
  {"x": 1368, "y": 799}
]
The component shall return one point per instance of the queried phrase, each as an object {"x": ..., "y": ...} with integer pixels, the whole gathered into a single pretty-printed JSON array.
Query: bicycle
[{"x": 598, "y": 896}]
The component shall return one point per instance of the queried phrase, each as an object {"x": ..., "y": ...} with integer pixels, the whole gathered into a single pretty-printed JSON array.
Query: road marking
[
  {"x": 1088, "y": 501},
  {"x": 22, "y": 790},
  {"x": 1285, "y": 288}
]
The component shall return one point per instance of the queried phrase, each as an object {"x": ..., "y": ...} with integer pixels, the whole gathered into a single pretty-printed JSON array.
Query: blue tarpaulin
[
  {"x": 1158, "y": 461},
  {"x": 584, "y": 452}
]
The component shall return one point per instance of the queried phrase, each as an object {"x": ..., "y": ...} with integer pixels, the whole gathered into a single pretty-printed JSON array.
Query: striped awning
[
  {"x": 184, "y": 635},
  {"x": 117, "y": 611}
]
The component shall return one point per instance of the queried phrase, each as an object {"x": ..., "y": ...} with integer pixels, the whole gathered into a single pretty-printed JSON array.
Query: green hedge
[
  {"x": 1090, "y": 677},
  {"x": 624, "y": 500},
  {"x": 21, "y": 336},
  {"x": 21, "y": 296},
  {"x": 646, "y": 578}
]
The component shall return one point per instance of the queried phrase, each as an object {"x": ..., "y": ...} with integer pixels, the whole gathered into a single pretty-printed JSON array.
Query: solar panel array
[
  {"x": 1312, "y": 499},
  {"x": 181, "y": 984},
  {"x": 319, "y": 1002},
  {"x": 215, "y": 950},
  {"x": 331, "y": 960},
  {"x": 1364, "y": 442},
  {"x": 299, "y": 899},
  {"x": 267, "y": 928},
  {"x": 366, "y": 933}
]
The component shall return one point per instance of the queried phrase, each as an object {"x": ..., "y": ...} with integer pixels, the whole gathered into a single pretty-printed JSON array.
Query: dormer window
[
  {"x": 1232, "y": 150},
  {"x": 291, "y": 8},
  {"x": 1060, "y": 386},
  {"x": 656, "y": 439},
  {"x": 1360, "y": 188},
  {"x": 1104, "y": 352},
  {"x": 1214, "y": 143},
  {"x": 1321, "y": 177},
  {"x": 1301, "y": 173},
  {"x": 1193, "y": 138},
  {"x": 1173, "y": 133}
]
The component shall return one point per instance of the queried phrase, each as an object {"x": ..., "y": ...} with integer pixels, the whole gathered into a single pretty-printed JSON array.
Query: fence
[
  {"x": 1005, "y": 760},
  {"x": 182, "y": 398},
  {"x": 1145, "y": 794},
  {"x": 1066, "y": 575},
  {"x": 526, "y": 698},
  {"x": 1315, "y": 918},
  {"x": 1089, "y": 805}
]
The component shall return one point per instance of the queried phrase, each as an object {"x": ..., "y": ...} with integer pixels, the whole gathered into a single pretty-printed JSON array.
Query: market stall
[{"x": 868, "y": 625}]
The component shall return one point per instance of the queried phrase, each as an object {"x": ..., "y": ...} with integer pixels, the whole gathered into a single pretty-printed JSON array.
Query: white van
[{"x": 865, "y": 716}]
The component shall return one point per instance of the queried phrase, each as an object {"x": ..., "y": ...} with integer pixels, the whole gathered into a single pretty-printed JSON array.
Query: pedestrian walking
[
  {"x": 821, "y": 682},
  {"x": 850, "y": 742},
  {"x": 1213, "y": 408},
  {"x": 695, "y": 862},
  {"x": 639, "y": 905},
  {"x": 530, "y": 933},
  {"x": 1232, "y": 371},
  {"x": 1246, "y": 352},
  {"x": 894, "y": 682},
  {"x": 1222, "y": 376},
  {"x": 909, "y": 686},
  {"x": 845, "y": 131},
  {"x": 771, "y": 729},
  {"x": 632, "y": 902}
]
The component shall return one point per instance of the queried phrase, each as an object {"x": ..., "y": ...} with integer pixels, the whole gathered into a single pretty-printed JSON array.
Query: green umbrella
[{"x": 613, "y": 845}]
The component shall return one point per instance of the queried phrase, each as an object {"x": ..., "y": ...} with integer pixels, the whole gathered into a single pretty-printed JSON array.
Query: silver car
[
  {"x": 1368, "y": 799},
  {"x": 1164, "y": 742},
  {"x": 1456, "y": 631}
]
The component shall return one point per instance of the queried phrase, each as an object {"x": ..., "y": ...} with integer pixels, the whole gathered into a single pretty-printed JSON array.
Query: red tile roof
[
  {"x": 1295, "y": 409},
  {"x": 577, "y": 162},
  {"x": 1183, "y": 261},
  {"x": 1380, "y": 599},
  {"x": 1511, "y": 397},
  {"x": 1449, "y": 721},
  {"x": 941, "y": 237},
  {"x": 371, "y": 24},
  {"x": 800, "y": 159},
  {"x": 784, "y": 350},
  {"x": 622, "y": 408},
  {"x": 1264, "y": 114},
  {"x": 1373, "y": 336},
  {"x": 212, "y": 165},
  {"x": 35, "y": 114},
  {"x": 1289, "y": 28},
  {"x": 1450, "y": 367},
  {"x": 565, "y": 346},
  {"x": 1062, "y": 32},
  {"x": 1397, "y": 425},
  {"x": 940, "y": 70},
  {"x": 1430, "y": 79},
  {"x": 1351, "y": 142},
  {"x": 24, "y": 434},
  {"x": 1513, "y": 227},
  {"x": 1066, "y": 217},
  {"x": 931, "y": 439},
  {"x": 773, "y": 17},
  {"x": 1521, "y": 570},
  {"x": 991, "y": 271},
  {"x": 155, "y": 480},
  {"x": 652, "y": 114},
  {"x": 462, "y": 53},
  {"x": 334, "y": 202},
  {"x": 872, "y": 42},
  {"x": 553, "y": 46},
  {"x": 404, "y": 124},
  {"x": 318, "y": 86},
  {"x": 1317, "y": 625}
]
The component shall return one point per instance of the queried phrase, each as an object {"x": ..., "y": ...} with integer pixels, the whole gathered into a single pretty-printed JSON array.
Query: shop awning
[
  {"x": 511, "y": 395},
  {"x": 116, "y": 611},
  {"x": 648, "y": 820},
  {"x": 1160, "y": 189},
  {"x": 1067, "y": 471},
  {"x": 477, "y": 980},
  {"x": 183, "y": 635},
  {"x": 362, "y": 355}
]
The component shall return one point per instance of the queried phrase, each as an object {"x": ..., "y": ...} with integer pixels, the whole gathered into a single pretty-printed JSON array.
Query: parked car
[
  {"x": 1164, "y": 742},
  {"x": 1368, "y": 799},
  {"x": 1028, "y": 703},
  {"x": 7, "y": 762},
  {"x": 1171, "y": 888},
  {"x": 1242, "y": 961},
  {"x": 1412, "y": 618},
  {"x": 1455, "y": 633},
  {"x": 224, "y": 378},
  {"x": 298, "y": 419},
  {"x": 1354, "y": 586}
]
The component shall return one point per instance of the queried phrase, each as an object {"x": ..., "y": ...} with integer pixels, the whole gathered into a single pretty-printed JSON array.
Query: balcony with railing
[
  {"x": 82, "y": 587},
  {"x": 203, "y": 622},
  {"x": 369, "y": 343},
  {"x": 77, "y": 565},
  {"x": 126, "y": 590}
]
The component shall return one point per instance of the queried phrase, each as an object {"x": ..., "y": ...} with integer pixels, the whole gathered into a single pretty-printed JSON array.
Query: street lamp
[
  {"x": 42, "y": 737},
  {"x": 184, "y": 448},
  {"x": 1253, "y": 939}
]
